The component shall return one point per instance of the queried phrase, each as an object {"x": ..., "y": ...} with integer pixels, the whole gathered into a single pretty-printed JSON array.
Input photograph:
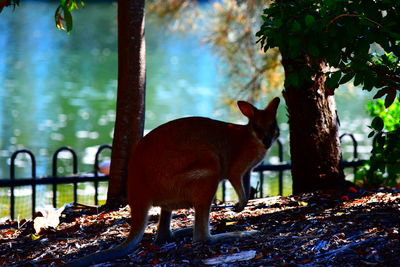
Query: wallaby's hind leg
[
  {"x": 202, "y": 205},
  {"x": 201, "y": 224},
  {"x": 202, "y": 232},
  {"x": 164, "y": 233},
  {"x": 164, "y": 227}
]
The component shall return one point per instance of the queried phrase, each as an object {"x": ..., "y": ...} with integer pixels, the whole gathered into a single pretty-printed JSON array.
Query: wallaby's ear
[
  {"x": 273, "y": 105},
  {"x": 246, "y": 108}
]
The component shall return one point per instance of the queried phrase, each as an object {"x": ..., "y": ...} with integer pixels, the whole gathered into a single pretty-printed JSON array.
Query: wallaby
[{"x": 180, "y": 164}]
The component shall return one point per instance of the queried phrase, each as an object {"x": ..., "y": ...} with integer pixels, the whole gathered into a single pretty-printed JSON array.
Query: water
[{"x": 58, "y": 89}]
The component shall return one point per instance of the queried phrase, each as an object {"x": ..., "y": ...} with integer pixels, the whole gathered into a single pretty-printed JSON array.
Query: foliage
[
  {"x": 62, "y": 15},
  {"x": 357, "y": 39},
  {"x": 229, "y": 26},
  {"x": 383, "y": 168},
  {"x": 251, "y": 71}
]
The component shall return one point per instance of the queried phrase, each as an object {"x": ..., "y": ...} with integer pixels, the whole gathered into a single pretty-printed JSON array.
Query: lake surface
[{"x": 60, "y": 90}]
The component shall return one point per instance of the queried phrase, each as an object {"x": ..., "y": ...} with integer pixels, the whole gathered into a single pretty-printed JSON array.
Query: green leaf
[
  {"x": 309, "y": 20},
  {"x": 391, "y": 96},
  {"x": 347, "y": 77},
  {"x": 294, "y": 48},
  {"x": 336, "y": 76},
  {"x": 68, "y": 18},
  {"x": 333, "y": 81},
  {"x": 333, "y": 58},
  {"x": 296, "y": 27},
  {"x": 371, "y": 134},
  {"x": 358, "y": 79},
  {"x": 370, "y": 80},
  {"x": 277, "y": 22},
  {"x": 380, "y": 142},
  {"x": 313, "y": 51},
  {"x": 377, "y": 124},
  {"x": 292, "y": 80},
  {"x": 381, "y": 92}
]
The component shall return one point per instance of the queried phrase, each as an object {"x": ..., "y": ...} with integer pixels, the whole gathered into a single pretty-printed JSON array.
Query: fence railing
[
  {"x": 55, "y": 179},
  {"x": 76, "y": 178},
  {"x": 283, "y": 166}
]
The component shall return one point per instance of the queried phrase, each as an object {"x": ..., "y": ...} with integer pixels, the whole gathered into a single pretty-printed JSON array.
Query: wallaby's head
[{"x": 262, "y": 122}]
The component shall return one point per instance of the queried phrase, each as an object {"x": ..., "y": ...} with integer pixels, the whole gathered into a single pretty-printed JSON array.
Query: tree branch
[
  {"x": 254, "y": 77},
  {"x": 350, "y": 15},
  {"x": 372, "y": 67}
]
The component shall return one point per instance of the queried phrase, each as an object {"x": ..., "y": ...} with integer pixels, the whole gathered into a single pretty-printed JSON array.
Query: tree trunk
[
  {"x": 129, "y": 122},
  {"x": 314, "y": 143}
]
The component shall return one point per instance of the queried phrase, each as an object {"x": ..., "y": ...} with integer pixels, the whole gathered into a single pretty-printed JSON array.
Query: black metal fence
[
  {"x": 282, "y": 166},
  {"x": 54, "y": 179},
  {"x": 76, "y": 178}
]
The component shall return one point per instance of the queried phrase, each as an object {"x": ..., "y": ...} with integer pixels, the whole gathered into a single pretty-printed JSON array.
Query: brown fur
[{"x": 180, "y": 164}]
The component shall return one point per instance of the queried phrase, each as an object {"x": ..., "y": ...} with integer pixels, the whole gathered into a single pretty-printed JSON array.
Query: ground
[{"x": 315, "y": 229}]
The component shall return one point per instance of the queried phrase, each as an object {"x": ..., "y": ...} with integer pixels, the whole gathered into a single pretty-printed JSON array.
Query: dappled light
[
  {"x": 307, "y": 229},
  {"x": 200, "y": 133}
]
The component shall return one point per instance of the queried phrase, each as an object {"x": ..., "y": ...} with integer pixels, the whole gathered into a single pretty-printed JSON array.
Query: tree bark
[
  {"x": 314, "y": 143},
  {"x": 129, "y": 122}
]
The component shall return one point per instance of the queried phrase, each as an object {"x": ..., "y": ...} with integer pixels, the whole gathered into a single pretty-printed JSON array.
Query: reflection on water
[{"x": 58, "y": 89}]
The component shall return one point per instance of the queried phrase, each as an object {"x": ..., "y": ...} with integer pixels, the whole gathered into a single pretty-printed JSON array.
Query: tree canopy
[{"x": 358, "y": 39}]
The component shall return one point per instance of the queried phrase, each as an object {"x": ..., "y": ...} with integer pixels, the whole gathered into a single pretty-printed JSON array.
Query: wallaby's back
[
  {"x": 190, "y": 151},
  {"x": 180, "y": 163}
]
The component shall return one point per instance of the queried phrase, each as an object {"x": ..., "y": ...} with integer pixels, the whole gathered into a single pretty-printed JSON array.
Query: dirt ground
[{"x": 315, "y": 229}]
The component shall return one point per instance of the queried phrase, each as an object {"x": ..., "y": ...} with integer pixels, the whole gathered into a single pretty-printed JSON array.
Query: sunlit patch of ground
[{"x": 311, "y": 229}]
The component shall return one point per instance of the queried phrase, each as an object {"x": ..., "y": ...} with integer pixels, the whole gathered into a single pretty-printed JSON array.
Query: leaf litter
[{"x": 313, "y": 229}]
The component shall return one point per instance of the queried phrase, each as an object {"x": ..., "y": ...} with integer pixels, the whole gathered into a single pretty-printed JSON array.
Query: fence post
[
  {"x": 355, "y": 149},
  {"x": 261, "y": 183},
  {"x": 74, "y": 171},
  {"x": 12, "y": 178},
  {"x": 280, "y": 154},
  {"x": 96, "y": 172}
]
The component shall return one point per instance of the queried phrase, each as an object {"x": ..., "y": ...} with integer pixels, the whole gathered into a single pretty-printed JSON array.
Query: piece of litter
[
  {"x": 50, "y": 218},
  {"x": 241, "y": 256}
]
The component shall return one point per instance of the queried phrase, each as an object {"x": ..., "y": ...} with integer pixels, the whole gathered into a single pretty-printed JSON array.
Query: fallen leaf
[
  {"x": 9, "y": 231},
  {"x": 259, "y": 256},
  {"x": 51, "y": 218},
  {"x": 35, "y": 237},
  {"x": 302, "y": 203}
]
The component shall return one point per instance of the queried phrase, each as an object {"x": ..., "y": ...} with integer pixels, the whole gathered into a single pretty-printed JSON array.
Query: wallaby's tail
[{"x": 139, "y": 223}]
